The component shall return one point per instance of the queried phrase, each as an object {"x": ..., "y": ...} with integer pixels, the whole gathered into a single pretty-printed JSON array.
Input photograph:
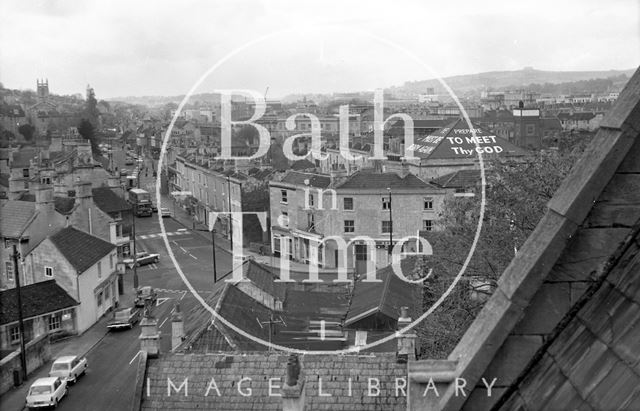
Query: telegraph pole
[
  {"x": 23, "y": 354},
  {"x": 390, "y": 223},
  {"x": 230, "y": 215}
]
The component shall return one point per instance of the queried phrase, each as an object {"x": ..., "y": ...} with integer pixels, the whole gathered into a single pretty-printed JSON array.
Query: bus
[{"x": 141, "y": 201}]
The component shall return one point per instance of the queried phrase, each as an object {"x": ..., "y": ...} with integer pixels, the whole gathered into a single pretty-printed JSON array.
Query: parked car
[
  {"x": 69, "y": 367},
  {"x": 142, "y": 258},
  {"x": 145, "y": 294},
  {"x": 124, "y": 318},
  {"x": 128, "y": 162},
  {"x": 165, "y": 212},
  {"x": 46, "y": 392}
]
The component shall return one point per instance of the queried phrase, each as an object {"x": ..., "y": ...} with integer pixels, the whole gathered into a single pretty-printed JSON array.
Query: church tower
[{"x": 43, "y": 89}]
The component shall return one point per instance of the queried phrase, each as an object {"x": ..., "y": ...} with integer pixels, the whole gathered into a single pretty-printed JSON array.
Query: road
[{"x": 108, "y": 384}]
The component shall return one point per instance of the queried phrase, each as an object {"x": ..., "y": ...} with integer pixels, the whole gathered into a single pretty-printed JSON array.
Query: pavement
[{"x": 78, "y": 345}]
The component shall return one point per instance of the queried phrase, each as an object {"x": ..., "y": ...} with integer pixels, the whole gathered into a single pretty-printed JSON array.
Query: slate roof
[
  {"x": 594, "y": 362},
  {"x": 334, "y": 370},
  {"x": 82, "y": 250},
  {"x": 302, "y": 165},
  {"x": 108, "y": 201},
  {"x": 365, "y": 179},
  {"x": 37, "y": 299},
  {"x": 383, "y": 298},
  {"x": 263, "y": 278},
  {"x": 15, "y": 216},
  {"x": 455, "y": 142},
  {"x": 63, "y": 205},
  {"x": 459, "y": 179},
  {"x": 4, "y": 180},
  {"x": 561, "y": 330},
  {"x": 577, "y": 116},
  {"x": 298, "y": 178}
]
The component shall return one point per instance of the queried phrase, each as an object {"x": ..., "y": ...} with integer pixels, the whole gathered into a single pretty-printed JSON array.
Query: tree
[
  {"x": 87, "y": 131},
  {"x": 27, "y": 131},
  {"x": 516, "y": 196}
]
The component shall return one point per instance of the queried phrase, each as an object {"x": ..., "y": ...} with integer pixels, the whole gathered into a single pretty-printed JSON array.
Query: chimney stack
[
  {"x": 177, "y": 328},
  {"x": 293, "y": 394},
  {"x": 83, "y": 192},
  {"x": 149, "y": 334},
  {"x": 44, "y": 198},
  {"x": 407, "y": 340}
]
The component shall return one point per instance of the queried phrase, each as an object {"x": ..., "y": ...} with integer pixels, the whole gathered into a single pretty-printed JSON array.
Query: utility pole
[
  {"x": 23, "y": 354},
  {"x": 213, "y": 252},
  {"x": 271, "y": 323},
  {"x": 390, "y": 223},
  {"x": 230, "y": 215},
  {"x": 135, "y": 253}
]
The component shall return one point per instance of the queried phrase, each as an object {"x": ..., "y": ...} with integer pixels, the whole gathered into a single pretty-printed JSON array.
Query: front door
[{"x": 361, "y": 258}]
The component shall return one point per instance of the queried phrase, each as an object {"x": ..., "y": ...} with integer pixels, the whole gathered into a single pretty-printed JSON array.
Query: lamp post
[
  {"x": 135, "y": 253},
  {"x": 390, "y": 223},
  {"x": 213, "y": 253}
]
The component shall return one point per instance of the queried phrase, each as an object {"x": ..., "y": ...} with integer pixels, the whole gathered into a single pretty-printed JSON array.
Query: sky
[{"x": 144, "y": 48}]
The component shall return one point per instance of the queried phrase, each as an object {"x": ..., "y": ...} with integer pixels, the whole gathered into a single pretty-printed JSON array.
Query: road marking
[
  {"x": 162, "y": 323},
  {"x": 183, "y": 294},
  {"x": 161, "y": 300},
  {"x": 193, "y": 256},
  {"x": 157, "y": 235},
  {"x": 182, "y": 248},
  {"x": 134, "y": 357},
  {"x": 322, "y": 332}
]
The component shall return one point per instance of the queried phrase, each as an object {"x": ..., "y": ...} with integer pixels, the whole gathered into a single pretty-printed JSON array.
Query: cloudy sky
[{"x": 125, "y": 47}]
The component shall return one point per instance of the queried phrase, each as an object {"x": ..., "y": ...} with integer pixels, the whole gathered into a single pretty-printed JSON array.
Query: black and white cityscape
[{"x": 275, "y": 205}]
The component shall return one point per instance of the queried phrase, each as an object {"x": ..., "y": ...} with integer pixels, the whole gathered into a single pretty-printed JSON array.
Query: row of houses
[{"x": 66, "y": 219}]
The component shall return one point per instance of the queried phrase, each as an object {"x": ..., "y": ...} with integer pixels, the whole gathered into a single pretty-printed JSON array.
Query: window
[
  {"x": 428, "y": 203},
  {"x": 427, "y": 225},
  {"x": 48, "y": 272},
  {"x": 386, "y": 203},
  {"x": 99, "y": 298},
  {"x": 26, "y": 185},
  {"x": 386, "y": 226},
  {"x": 14, "y": 334},
  {"x": 311, "y": 221},
  {"x": 348, "y": 203},
  {"x": 45, "y": 180},
  {"x": 349, "y": 226},
  {"x": 283, "y": 194},
  {"x": 111, "y": 261},
  {"x": 531, "y": 129},
  {"x": 106, "y": 293},
  {"x": 8, "y": 269},
  {"x": 285, "y": 219},
  {"x": 311, "y": 200},
  {"x": 25, "y": 172},
  {"x": 99, "y": 269},
  {"x": 54, "y": 322}
]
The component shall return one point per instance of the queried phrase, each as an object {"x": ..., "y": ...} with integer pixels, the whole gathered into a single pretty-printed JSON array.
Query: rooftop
[
  {"x": 37, "y": 299},
  {"x": 301, "y": 179},
  {"x": 366, "y": 179},
  {"x": 15, "y": 217},
  {"x": 82, "y": 250}
]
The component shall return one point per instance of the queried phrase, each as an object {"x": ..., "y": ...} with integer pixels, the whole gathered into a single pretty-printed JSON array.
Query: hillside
[{"x": 497, "y": 80}]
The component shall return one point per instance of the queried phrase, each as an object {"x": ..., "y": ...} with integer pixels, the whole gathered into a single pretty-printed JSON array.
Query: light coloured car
[
  {"x": 142, "y": 258},
  {"x": 165, "y": 212},
  {"x": 46, "y": 392},
  {"x": 69, "y": 367}
]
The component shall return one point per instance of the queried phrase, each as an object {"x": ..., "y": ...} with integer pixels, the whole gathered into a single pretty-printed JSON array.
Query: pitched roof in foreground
[
  {"x": 459, "y": 179},
  {"x": 37, "y": 299},
  {"x": 386, "y": 298},
  {"x": 108, "y": 201},
  {"x": 562, "y": 329},
  {"x": 82, "y": 250},
  {"x": 332, "y": 371}
]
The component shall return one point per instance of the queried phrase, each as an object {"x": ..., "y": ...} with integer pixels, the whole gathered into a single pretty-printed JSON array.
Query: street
[{"x": 108, "y": 382}]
